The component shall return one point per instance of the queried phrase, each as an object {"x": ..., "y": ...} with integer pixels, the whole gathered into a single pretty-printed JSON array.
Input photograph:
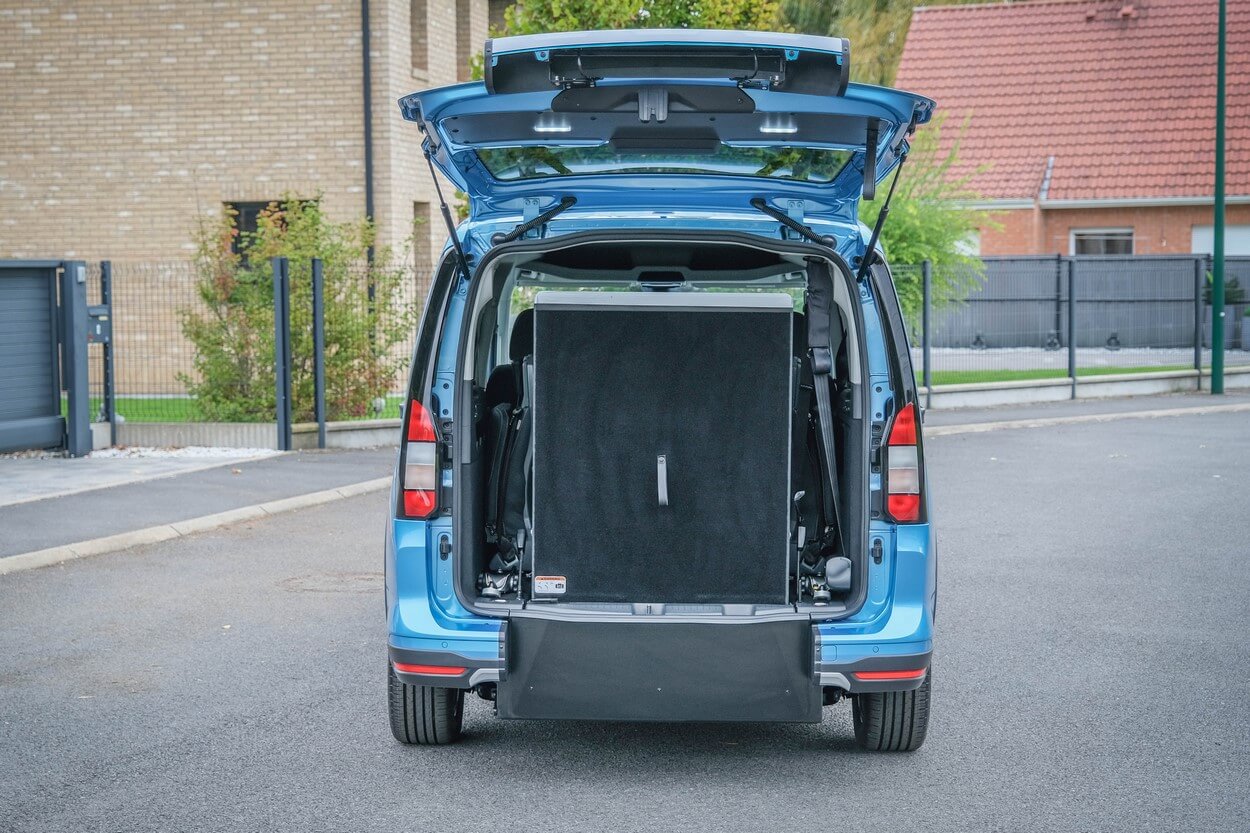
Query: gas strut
[
  {"x": 876, "y": 227},
  {"x": 451, "y": 226}
]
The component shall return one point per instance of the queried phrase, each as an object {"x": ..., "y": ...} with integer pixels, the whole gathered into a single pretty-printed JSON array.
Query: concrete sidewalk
[
  {"x": 1080, "y": 407},
  {"x": 101, "y": 512},
  {"x": 27, "y": 476}
]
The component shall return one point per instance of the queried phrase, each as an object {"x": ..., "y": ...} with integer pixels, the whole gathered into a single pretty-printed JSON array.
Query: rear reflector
[
  {"x": 903, "y": 467},
  {"x": 871, "y": 676},
  {"x": 420, "y": 483},
  {"x": 436, "y": 670}
]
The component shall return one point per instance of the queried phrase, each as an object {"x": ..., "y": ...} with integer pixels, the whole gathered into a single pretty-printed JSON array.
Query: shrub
[{"x": 234, "y": 333}]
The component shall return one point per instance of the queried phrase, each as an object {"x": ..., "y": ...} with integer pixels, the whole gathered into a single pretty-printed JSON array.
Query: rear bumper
[{"x": 758, "y": 671}]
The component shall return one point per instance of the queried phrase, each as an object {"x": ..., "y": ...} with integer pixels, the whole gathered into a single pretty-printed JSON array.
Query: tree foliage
[
  {"x": 537, "y": 16},
  {"x": 233, "y": 332}
]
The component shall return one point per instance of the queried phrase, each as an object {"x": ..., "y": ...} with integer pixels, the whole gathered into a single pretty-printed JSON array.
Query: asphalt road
[{"x": 1091, "y": 675}]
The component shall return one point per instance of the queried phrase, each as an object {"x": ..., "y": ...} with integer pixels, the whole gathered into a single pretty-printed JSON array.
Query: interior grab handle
[{"x": 661, "y": 478}]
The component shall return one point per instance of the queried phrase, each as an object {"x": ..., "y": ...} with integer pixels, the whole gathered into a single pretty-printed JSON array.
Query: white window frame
[{"x": 1129, "y": 230}]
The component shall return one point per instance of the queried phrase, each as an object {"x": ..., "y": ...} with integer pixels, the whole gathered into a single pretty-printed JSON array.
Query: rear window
[
  {"x": 524, "y": 290},
  {"x": 802, "y": 164}
]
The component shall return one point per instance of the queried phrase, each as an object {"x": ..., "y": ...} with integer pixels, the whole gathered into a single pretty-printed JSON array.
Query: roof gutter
[{"x": 1108, "y": 202}]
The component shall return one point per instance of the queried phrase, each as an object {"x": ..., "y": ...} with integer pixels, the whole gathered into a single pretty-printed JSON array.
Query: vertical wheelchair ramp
[{"x": 662, "y": 447}]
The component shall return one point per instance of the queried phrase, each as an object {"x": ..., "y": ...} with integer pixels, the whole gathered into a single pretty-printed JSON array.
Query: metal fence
[
  {"x": 191, "y": 345},
  {"x": 1023, "y": 318}
]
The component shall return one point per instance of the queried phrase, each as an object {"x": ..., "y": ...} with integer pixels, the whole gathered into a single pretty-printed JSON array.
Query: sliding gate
[{"x": 41, "y": 303}]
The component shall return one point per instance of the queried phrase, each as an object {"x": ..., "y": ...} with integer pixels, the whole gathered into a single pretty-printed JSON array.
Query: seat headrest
[{"x": 522, "y": 341}]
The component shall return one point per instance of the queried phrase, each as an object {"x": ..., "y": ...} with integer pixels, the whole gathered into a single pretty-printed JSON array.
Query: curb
[
  {"x": 1043, "y": 422},
  {"x": 178, "y": 529}
]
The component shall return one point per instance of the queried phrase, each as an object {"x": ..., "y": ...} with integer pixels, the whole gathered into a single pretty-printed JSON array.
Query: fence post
[
  {"x": 926, "y": 308},
  {"x": 1199, "y": 275},
  {"x": 73, "y": 326},
  {"x": 282, "y": 350},
  {"x": 110, "y": 398},
  {"x": 319, "y": 348},
  {"x": 1072, "y": 323},
  {"x": 1059, "y": 298}
]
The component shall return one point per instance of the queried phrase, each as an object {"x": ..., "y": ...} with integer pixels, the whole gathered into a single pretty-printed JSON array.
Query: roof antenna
[{"x": 442, "y": 206}]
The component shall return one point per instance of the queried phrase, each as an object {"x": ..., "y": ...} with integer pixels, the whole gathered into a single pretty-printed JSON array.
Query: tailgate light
[
  {"x": 871, "y": 676},
  {"x": 420, "y": 483},
  {"x": 903, "y": 467},
  {"x": 436, "y": 670}
]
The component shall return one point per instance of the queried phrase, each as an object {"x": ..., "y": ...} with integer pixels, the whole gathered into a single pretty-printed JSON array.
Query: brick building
[
  {"x": 1095, "y": 119},
  {"x": 122, "y": 122}
]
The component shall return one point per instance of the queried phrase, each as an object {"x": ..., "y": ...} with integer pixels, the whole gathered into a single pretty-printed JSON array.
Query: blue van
[{"x": 662, "y": 454}]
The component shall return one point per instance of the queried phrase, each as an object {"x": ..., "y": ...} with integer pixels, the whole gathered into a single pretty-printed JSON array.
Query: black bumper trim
[
  {"x": 476, "y": 670},
  {"x": 842, "y": 674}
]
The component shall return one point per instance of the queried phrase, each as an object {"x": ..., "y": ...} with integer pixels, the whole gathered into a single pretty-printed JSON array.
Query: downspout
[
  {"x": 1039, "y": 237},
  {"x": 366, "y": 66}
]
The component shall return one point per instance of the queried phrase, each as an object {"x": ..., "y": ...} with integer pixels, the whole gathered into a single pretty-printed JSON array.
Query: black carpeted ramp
[{"x": 662, "y": 447}]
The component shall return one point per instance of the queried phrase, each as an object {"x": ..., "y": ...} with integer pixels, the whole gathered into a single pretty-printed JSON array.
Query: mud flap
[{"x": 660, "y": 671}]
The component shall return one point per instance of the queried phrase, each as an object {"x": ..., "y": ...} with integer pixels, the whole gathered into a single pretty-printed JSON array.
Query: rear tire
[
  {"x": 892, "y": 721},
  {"x": 424, "y": 715}
]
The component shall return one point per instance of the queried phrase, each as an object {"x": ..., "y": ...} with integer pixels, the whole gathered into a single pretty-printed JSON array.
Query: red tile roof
[{"x": 1120, "y": 92}]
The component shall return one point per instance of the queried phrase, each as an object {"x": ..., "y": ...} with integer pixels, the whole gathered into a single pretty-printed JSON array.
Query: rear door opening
[
  {"x": 644, "y": 439},
  {"x": 649, "y": 440}
]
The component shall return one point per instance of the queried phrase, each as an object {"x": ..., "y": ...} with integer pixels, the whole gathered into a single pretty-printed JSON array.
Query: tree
[
  {"x": 877, "y": 29},
  {"x": 930, "y": 220},
  {"x": 537, "y": 16}
]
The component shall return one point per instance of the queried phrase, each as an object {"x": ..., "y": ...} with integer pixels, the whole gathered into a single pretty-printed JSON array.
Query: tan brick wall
[
  {"x": 1156, "y": 230},
  {"x": 126, "y": 121}
]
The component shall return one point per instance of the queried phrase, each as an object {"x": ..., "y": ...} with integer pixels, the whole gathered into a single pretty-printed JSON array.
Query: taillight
[
  {"x": 420, "y": 485},
  {"x": 903, "y": 472}
]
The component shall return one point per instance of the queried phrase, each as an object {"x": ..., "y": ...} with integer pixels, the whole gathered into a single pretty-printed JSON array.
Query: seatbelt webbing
[{"x": 819, "y": 326}]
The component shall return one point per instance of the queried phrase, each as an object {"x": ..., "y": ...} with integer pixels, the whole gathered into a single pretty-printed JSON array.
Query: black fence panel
[
  {"x": 179, "y": 327},
  {"x": 1019, "y": 303},
  {"x": 1130, "y": 314}
]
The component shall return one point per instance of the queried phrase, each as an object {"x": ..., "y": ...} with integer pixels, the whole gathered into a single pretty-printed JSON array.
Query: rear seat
[
  {"x": 506, "y": 438},
  {"x": 504, "y": 383},
  {"x": 805, "y": 459},
  {"x": 804, "y": 465}
]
